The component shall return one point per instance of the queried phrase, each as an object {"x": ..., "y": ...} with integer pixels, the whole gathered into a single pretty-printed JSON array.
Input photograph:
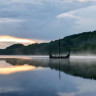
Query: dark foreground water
[{"x": 40, "y": 76}]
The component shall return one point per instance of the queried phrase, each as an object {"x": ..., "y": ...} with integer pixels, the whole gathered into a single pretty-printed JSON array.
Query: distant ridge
[{"x": 75, "y": 42}]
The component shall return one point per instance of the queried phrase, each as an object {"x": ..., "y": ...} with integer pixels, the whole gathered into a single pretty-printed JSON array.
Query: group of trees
[{"x": 85, "y": 41}]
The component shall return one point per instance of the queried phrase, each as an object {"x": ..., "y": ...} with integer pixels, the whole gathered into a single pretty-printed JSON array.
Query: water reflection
[
  {"x": 21, "y": 77},
  {"x": 76, "y": 67},
  {"x": 14, "y": 69}
]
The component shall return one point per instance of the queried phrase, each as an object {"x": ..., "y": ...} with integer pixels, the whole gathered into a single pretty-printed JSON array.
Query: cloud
[
  {"x": 14, "y": 69},
  {"x": 35, "y": 19},
  {"x": 25, "y": 1},
  {"x": 87, "y": 0},
  {"x": 79, "y": 20},
  {"x": 10, "y": 20},
  {"x": 80, "y": 0},
  {"x": 41, "y": 2},
  {"x": 5, "y": 41},
  {"x": 68, "y": 14},
  {"x": 76, "y": 14},
  {"x": 14, "y": 39}
]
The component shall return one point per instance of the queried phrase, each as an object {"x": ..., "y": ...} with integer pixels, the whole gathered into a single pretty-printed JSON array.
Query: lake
[{"x": 41, "y": 76}]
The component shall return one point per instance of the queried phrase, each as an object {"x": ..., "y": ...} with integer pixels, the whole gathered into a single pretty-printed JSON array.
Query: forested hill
[{"x": 77, "y": 43}]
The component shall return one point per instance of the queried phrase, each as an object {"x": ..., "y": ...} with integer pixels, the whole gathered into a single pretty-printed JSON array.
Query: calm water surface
[{"x": 40, "y": 76}]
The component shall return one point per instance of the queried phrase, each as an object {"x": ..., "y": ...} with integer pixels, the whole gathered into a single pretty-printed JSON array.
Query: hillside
[{"x": 77, "y": 43}]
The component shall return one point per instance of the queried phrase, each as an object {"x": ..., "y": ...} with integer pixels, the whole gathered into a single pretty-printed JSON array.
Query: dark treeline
[{"x": 78, "y": 43}]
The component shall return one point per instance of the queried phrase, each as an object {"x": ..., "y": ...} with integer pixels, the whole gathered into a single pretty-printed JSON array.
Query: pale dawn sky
[{"x": 29, "y": 21}]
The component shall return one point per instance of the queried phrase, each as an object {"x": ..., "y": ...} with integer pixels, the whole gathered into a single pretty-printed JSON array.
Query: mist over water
[
  {"x": 83, "y": 57},
  {"x": 41, "y": 76}
]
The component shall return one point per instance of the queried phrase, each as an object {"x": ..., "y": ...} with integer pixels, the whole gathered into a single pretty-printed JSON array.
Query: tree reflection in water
[{"x": 82, "y": 68}]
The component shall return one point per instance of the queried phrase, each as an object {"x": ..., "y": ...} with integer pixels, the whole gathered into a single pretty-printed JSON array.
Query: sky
[{"x": 30, "y": 21}]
